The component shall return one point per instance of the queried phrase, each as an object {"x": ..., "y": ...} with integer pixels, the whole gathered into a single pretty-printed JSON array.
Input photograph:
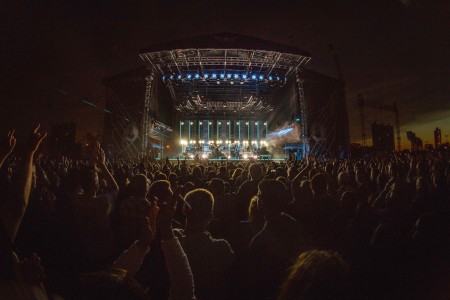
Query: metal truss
[
  {"x": 303, "y": 112},
  {"x": 147, "y": 109}
]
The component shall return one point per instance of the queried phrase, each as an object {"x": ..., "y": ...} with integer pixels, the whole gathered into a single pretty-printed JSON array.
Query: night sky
[{"x": 55, "y": 53}]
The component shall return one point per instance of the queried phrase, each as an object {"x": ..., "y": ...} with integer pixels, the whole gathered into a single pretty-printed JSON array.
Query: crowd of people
[{"x": 103, "y": 228}]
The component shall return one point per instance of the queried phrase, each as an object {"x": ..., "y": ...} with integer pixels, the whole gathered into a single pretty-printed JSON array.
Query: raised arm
[
  {"x": 14, "y": 209},
  {"x": 101, "y": 160},
  {"x": 7, "y": 147}
]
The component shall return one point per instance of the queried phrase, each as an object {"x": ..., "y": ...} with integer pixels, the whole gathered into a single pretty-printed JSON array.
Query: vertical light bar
[
  {"x": 229, "y": 129},
  {"x": 248, "y": 130},
  {"x": 217, "y": 130},
  {"x": 181, "y": 124},
  {"x": 208, "y": 130},
  {"x": 267, "y": 128},
  {"x": 239, "y": 130},
  {"x": 189, "y": 130}
]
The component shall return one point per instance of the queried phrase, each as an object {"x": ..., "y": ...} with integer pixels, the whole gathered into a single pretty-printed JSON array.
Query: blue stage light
[
  {"x": 164, "y": 77},
  {"x": 270, "y": 77},
  {"x": 206, "y": 76},
  {"x": 244, "y": 76},
  {"x": 214, "y": 75},
  {"x": 261, "y": 77},
  {"x": 228, "y": 76},
  {"x": 254, "y": 77},
  {"x": 179, "y": 77},
  {"x": 222, "y": 75},
  {"x": 197, "y": 76},
  {"x": 236, "y": 76},
  {"x": 171, "y": 77},
  {"x": 278, "y": 77},
  {"x": 189, "y": 76}
]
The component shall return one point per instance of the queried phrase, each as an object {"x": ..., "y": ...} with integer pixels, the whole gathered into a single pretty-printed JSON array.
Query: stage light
[
  {"x": 245, "y": 156},
  {"x": 220, "y": 123},
  {"x": 179, "y": 77},
  {"x": 242, "y": 82},
  {"x": 228, "y": 76},
  {"x": 254, "y": 77},
  {"x": 191, "y": 156},
  {"x": 228, "y": 123},
  {"x": 171, "y": 77},
  {"x": 222, "y": 75},
  {"x": 231, "y": 82},
  {"x": 256, "y": 123},
  {"x": 218, "y": 82},
  {"x": 214, "y": 75},
  {"x": 270, "y": 78},
  {"x": 197, "y": 76},
  {"x": 244, "y": 76},
  {"x": 236, "y": 76},
  {"x": 297, "y": 119},
  {"x": 265, "y": 123},
  {"x": 164, "y": 78},
  {"x": 192, "y": 123},
  {"x": 206, "y": 76},
  {"x": 201, "y": 123},
  {"x": 228, "y": 156},
  {"x": 189, "y": 76},
  {"x": 210, "y": 123},
  {"x": 261, "y": 77},
  {"x": 204, "y": 155},
  {"x": 246, "y": 123},
  {"x": 182, "y": 123},
  {"x": 278, "y": 77}
]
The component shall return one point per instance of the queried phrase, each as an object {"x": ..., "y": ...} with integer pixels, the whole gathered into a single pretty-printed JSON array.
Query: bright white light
[
  {"x": 220, "y": 123},
  {"x": 201, "y": 123},
  {"x": 245, "y": 156},
  {"x": 204, "y": 155},
  {"x": 191, "y": 156},
  {"x": 228, "y": 156}
]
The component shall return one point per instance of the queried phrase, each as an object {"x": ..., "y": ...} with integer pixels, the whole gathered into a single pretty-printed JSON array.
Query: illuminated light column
[
  {"x": 229, "y": 129},
  {"x": 217, "y": 130},
  {"x": 181, "y": 128},
  {"x": 199, "y": 131},
  {"x": 239, "y": 131},
  {"x": 267, "y": 128},
  {"x": 209, "y": 124},
  {"x": 189, "y": 130},
  {"x": 257, "y": 131},
  {"x": 248, "y": 129}
]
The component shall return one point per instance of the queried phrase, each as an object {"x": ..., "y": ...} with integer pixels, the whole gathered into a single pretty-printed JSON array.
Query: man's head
[
  {"x": 201, "y": 204},
  {"x": 255, "y": 171},
  {"x": 273, "y": 196}
]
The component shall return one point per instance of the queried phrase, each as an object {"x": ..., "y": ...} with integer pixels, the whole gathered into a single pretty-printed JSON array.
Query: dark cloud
[{"x": 389, "y": 50}]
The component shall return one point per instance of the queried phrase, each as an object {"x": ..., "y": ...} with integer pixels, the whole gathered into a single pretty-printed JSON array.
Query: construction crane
[{"x": 377, "y": 105}]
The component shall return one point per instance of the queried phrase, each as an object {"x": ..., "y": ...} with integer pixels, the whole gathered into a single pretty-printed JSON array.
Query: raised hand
[
  {"x": 29, "y": 270},
  {"x": 8, "y": 143},
  {"x": 148, "y": 230},
  {"x": 35, "y": 139},
  {"x": 166, "y": 210},
  {"x": 101, "y": 157}
]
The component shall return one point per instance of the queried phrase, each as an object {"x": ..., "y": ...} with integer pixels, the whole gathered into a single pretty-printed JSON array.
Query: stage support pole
[
  {"x": 303, "y": 109},
  {"x": 147, "y": 109}
]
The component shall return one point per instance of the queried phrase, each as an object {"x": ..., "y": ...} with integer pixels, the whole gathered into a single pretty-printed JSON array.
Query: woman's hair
[{"x": 317, "y": 274}]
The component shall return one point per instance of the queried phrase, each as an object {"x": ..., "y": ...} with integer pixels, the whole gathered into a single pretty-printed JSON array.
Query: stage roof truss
[{"x": 239, "y": 66}]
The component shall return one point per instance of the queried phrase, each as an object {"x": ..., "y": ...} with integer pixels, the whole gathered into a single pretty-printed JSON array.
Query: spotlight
[
  {"x": 245, "y": 156},
  {"x": 242, "y": 82},
  {"x": 191, "y": 156},
  {"x": 206, "y": 76},
  {"x": 236, "y": 76},
  {"x": 197, "y": 76},
  {"x": 189, "y": 76},
  {"x": 231, "y": 82},
  {"x": 270, "y": 78},
  {"x": 254, "y": 77},
  {"x": 228, "y": 76},
  {"x": 218, "y": 82},
  {"x": 179, "y": 77},
  {"x": 222, "y": 75},
  {"x": 204, "y": 155},
  {"x": 214, "y": 75},
  {"x": 244, "y": 76},
  {"x": 278, "y": 78},
  {"x": 261, "y": 77},
  {"x": 164, "y": 77}
]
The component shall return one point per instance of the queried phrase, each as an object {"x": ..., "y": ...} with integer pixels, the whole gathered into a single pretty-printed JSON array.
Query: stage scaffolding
[{"x": 223, "y": 79}]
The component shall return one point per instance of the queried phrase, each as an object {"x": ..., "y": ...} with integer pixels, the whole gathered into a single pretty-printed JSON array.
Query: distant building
[
  {"x": 382, "y": 137},
  {"x": 416, "y": 142},
  {"x": 437, "y": 138}
]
